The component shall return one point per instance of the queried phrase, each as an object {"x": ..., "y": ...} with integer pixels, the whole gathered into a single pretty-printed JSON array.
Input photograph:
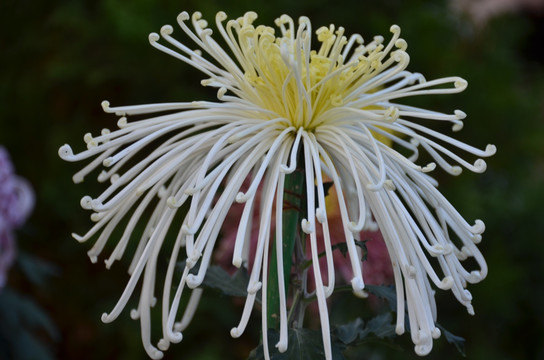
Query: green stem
[{"x": 293, "y": 205}]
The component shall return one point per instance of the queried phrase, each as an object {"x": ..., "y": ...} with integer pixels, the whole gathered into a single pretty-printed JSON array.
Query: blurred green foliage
[{"x": 60, "y": 59}]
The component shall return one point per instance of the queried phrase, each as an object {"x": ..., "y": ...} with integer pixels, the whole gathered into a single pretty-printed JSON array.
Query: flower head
[
  {"x": 16, "y": 201},
  {"x": 331, "y": 110}
]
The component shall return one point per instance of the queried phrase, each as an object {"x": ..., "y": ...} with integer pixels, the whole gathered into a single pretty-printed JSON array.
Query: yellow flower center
[{"x": 300, "y": 84}]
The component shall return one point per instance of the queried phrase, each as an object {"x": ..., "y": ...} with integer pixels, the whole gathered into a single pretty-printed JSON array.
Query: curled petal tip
[
  {"x": 282, "y": 346},
  {"x": 163, "y": 344},
  {"x": 105, "y": 105},
  {"x": 389, "y": 185},
  {"x": 96, "y": 216},
  {"x": 429, "y": 167},
  {"x": 320, "y": 215},
  {"x": 360, "y": 294},
  {"x": 108, "y": 162},
  {"x": 96, "y": 205},
  {"x": 155, "y": 354},
  {"x": 440, "y": 249},
  {"x": 410, "y": 271},
  {"x": 92, "y": 257},
  {"x": 490, "y": 149},
  {"x": 235, "y": 332},
  {"x": 480, "y": 166},
  {"x": 221, "y": 92},
  {"x": 87, "y": 138},
  {"x": 457, "y": 126},
  {"x": 253, "y": 288},
  {"x": 206, "y": 32},
  {"x": 460, "y": 114},
  {"x": 193, "y": 281},
  {"x": 191, "y": 191},
  {"x": 241, "y": 197},
  {"x": 423, "y": 349},
  {"x": 355, "y": 227},
  {"x": 448, "y": 249},
  {"x": 358, "y": 287},
  {"x": 77, "y": 179},
  {"x": 446, "y": 283},
  {"x": 167, "y": 30},
  {"x": 172, "y": 203},
  {"x": 153, "y": 38},
  {"x": 122, "y": 122},
  {"x": 401, "y": 44},
  {"x": 106, "y": 318},
  {"x": 394, "y": 28},
  {"x": 78, "y": 238},
  {"x": 190, "y": 263},
  {"x": 478, "y": 227},
  {"x": 392, "y": 113},
  {"x": 460, "y": 84},
  {"x": 237, "y": 262},
  {"x": 134, "y": 314},
  {"x": 183, "y": 16},
  {"x": 474, "y": 277},
  {"x": 185, "y": 229},
  {"x": 66, "y": 152},
  {"x": 86, "y": 202},
  {"x": 286, "y": 169},
  {"x": 176, "y": 337},
  {"x": 307, "y": 226},
  {"x": 108, "y": 263},
  {"x": 456, "y": 170},
  {"x": 102, "y": 176},
  {"x": 466, "y": 295}
]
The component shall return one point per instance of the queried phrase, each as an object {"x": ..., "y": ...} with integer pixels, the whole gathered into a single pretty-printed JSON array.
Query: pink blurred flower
[
  {"x": 377, "y": 266},
  {"x": 482, "y": 10},
  {"x": 16, "y": 201}
]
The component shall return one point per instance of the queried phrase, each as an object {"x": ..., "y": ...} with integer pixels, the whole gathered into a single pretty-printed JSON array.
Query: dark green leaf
[
  {"x": 20, "y": 309},
  {"x": 35, "y": 269},
  {"x": 355, "y": 331},
  {"x": 235, "y": 285},
  {"x": 381, "y": 326},
  {"x": 22, "y": 326},
  {"x": 362, "y": 245},
  {"x": 385, "y": 292},
  {"x": 304, "y": 344},
  {"x": 349, "y": 332},
  {"x": 458, "y": 341}
]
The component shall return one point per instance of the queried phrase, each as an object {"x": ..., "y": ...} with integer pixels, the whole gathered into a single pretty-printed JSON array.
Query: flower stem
[{"x": 293, "y": 212}]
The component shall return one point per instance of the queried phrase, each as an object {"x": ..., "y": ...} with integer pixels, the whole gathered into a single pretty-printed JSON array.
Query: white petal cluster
[{"x": 175, "y": 174}]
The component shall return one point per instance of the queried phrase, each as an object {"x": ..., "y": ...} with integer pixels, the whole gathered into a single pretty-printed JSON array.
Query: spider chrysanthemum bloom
[{"x": 332, "y": 112}]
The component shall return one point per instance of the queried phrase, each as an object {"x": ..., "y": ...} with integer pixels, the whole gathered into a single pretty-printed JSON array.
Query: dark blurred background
[{"x": 60, "y": 58}]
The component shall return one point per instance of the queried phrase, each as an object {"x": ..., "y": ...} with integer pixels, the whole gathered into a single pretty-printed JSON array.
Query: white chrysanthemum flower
[{"x": 335, "y": 107}]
